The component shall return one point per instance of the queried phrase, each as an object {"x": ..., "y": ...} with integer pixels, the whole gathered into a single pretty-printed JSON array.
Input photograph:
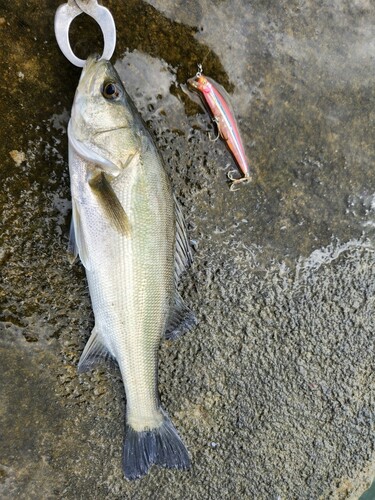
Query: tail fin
[{"x": 161, "y": 446}]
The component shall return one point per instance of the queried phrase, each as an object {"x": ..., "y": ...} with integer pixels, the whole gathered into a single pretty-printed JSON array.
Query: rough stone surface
[{"x": 274, "y": 391}]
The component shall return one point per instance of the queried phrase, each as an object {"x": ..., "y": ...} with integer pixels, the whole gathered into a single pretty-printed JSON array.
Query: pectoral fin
[{"x": 110, "y": 203}]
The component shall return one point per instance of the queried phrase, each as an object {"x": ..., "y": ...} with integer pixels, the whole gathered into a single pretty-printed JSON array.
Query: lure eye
[{"x": 110, "y": 91}]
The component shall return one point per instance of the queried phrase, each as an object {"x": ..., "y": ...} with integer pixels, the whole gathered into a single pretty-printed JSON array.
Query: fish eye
[{"x": 110, "y": 91}]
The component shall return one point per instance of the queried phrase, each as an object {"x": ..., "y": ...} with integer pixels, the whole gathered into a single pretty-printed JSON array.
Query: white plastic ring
[{"x": 69, "y": 11}]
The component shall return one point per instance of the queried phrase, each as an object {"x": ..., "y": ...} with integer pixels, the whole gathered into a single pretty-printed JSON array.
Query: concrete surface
[{"x": 274, "y": 391}]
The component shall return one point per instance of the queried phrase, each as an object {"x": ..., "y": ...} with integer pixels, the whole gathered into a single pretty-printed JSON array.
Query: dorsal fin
[
  {"x": 181, "y": 319},
  {"x": 183, "y": 255}
]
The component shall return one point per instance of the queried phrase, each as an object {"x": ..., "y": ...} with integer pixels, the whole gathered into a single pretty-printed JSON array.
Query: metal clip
[{"x": 69, "y": 11}]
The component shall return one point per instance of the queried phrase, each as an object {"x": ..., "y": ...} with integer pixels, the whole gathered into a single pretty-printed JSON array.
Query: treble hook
[
  {"x": 215, "y": 120},
  {"x": 69, "y": 11},
  {"x": 236, "y": 180}
]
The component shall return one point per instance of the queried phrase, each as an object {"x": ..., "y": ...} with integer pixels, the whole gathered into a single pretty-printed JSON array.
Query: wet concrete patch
[{"x": 31, "y": 417}]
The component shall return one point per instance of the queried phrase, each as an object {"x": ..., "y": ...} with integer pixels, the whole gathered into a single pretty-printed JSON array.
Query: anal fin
[{"x": 93, "y": 353}]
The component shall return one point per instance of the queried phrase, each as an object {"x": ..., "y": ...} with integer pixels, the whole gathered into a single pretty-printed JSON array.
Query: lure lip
[
  {"x": 201, "y": 83},
  {"x": 193, "y": 82}
]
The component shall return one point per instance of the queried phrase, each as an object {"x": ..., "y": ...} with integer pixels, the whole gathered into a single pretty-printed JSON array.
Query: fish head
[
  {"x": 101, "y": 117},
  {"x": 201, "y": 83}
]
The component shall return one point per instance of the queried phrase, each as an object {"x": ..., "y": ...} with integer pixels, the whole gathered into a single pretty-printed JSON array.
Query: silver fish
[{"x": 130, "y": 235}]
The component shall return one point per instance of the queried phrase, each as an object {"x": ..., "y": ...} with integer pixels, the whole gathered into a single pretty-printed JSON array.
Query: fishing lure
[{"x": 216, "y": 99}]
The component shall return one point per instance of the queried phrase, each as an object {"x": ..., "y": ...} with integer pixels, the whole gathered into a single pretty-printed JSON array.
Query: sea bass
[
  {"x": 217, "y": 100},
  {"x": 130, "y": 236}
]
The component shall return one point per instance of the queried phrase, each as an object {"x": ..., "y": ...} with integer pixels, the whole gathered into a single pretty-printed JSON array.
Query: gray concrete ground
[{"x": 274, "y": 391}]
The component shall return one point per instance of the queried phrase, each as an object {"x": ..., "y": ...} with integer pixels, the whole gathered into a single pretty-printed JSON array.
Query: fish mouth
[
  {"x": 91, "y": 61},
  {"x": 92, "y": 74}
]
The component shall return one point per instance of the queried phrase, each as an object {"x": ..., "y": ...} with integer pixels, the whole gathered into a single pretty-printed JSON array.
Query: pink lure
[{"x": 217, "y": 101}]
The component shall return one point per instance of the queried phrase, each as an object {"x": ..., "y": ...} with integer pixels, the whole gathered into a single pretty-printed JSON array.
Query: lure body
[{"x": 215, "y": 97}]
